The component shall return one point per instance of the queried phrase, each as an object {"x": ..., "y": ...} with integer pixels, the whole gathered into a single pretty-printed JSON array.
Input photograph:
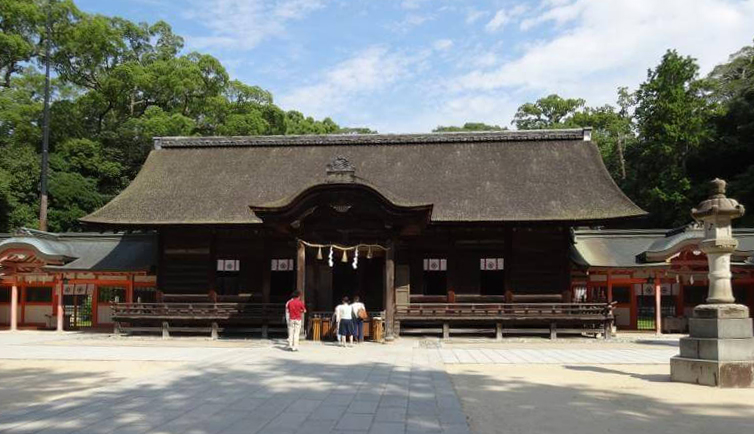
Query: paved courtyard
[{"x": 96, "y": 384}]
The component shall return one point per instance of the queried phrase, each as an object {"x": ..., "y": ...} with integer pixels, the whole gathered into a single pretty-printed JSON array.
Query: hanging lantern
[
  {"x": 345, "y": 257},
  {"x": 329, "y": 258},
  {"x": 355, "y": 258},
  {"x": 677, "y": 279},
  {"x": 369, "y": 253},
  {"x": 319, "y": 253},
  {"x": 691, "y": 279}
]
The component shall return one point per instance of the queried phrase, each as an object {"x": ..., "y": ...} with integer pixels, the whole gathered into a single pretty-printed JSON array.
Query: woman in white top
[{"x": 344, "y": 315}]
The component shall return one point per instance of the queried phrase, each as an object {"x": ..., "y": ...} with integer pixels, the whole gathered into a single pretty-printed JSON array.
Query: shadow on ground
[
  {"x": 290, "y": 394},
  {"x": 22, "y": 383},
  {"x": 278, "y": 396},
  {"x": 633, "y": 403}
]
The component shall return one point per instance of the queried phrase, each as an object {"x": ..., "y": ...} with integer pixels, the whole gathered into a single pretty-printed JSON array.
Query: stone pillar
[
  {"x": 14, "y": 307},
  {"x": 720, "y": 348}
]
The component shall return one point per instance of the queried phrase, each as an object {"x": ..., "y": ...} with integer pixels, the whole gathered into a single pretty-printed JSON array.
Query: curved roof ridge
[{"x": 372, "y": 139}]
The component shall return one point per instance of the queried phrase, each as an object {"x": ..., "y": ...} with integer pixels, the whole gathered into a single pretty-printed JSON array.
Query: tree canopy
[
  {"x": 664, "y": 141},
  {"x": 468, "y": 126},
  {"x": 117, "y": 84}
]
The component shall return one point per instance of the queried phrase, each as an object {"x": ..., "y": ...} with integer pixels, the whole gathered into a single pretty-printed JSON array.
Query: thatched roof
[{"x": 521, "y": 176}]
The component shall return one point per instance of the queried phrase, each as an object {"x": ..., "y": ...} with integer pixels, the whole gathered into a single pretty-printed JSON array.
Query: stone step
[
  {"x": 717, "y": 349},
  {"x": 727, "y": 328},
  {"x": 712, "y": 372}
]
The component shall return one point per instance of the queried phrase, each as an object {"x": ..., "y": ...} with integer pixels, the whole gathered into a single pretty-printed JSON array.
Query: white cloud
[
  {"x": 243, "y": 24},
  {"x": 413, "y": 4},
  {"x": 443, "y": 44},
  {"x": 604, "y": 44},
  {"x": 409, "y": 22},
  {"x": 503, "y": 17},
  {"x": 472, "y": 15},
  {"x": 365, "y": 73}
]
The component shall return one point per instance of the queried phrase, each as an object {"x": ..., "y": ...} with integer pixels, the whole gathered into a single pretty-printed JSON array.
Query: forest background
[{"x": 116, "y": 84}]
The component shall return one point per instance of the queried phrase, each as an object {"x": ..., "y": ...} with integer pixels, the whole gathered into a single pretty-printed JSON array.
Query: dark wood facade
[{"x": 471, "y": 217}]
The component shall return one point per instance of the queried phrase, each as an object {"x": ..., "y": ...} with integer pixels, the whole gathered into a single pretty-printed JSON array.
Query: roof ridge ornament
[{"x": 340, "y": 170}]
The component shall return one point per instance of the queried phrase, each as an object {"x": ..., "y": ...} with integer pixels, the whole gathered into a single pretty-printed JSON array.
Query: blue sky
[{"x": 410, "y": 65}]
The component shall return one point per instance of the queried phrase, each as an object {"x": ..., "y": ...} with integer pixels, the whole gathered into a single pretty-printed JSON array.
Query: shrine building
[{"x": 455, "y": 232}]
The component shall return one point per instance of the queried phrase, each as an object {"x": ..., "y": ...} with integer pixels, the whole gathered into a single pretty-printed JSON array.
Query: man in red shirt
[{"x": 294, "y": 311}]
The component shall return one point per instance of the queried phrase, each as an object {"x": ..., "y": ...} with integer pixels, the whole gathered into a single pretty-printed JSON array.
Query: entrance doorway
[{"x": 366, "y": 281}]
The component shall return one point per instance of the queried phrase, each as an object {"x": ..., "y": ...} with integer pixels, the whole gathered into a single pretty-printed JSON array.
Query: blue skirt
[{"x": 346, "y": 327}]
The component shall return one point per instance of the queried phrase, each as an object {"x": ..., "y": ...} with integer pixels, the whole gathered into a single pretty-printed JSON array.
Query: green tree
[
  {"x": 673, "y": 120},
  {"x": 730, "y": 153},
  {"x": 19, "y": 32},
  {"x": 549, "y": 112},
  {"x": 468, "y": 126},
  {"x": 117, "y": 85}
]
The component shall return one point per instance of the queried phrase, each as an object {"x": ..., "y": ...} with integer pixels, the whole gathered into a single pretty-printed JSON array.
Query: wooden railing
[
  {"x": 196, "y": 311},
  {"x": 505, "y": 311}
]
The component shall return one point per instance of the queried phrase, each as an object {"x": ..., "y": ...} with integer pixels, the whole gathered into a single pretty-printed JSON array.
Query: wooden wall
[
  {"x": 538, "y": 261},
  {"x": 536, "y": 258}
]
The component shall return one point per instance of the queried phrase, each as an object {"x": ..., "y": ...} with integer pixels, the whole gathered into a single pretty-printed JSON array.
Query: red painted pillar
[
  {"x": 14, "y": 307},
  {"x": 658, "y": 305},
  {"x": 59, "y": 306}
]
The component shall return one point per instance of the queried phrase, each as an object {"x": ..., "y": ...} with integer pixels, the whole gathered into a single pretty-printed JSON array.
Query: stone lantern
[{"x": 720, "y": 348}]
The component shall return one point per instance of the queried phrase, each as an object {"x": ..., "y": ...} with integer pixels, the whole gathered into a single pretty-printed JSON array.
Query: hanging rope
[{"x": 344, "y": 249}]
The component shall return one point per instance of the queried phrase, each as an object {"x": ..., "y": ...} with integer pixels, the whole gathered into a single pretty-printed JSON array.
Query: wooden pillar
[
  {"x": 390, "y": 291},
  {"x": 634, "y": 308},
  {"x": 507, "y": 260},
  {"x": 95, "y": 304},
  {"x": 609, "y": 287},
  {"x": 266, "y": 271},
  {"x": 22, "y": 302},
  {"x": 658, "y": 305},
  {"x": 59, "y": 305},
  {"x": 130, "y": 289},
  {"x": 14, "y": 306},
  {"x": 679, "y": 306},
  {"x": 301, "y": 271},
  {"x": 212, "y": 271}
]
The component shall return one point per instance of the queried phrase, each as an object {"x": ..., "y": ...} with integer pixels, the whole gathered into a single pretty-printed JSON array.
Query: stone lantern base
[{"x": 719, "y": 350}]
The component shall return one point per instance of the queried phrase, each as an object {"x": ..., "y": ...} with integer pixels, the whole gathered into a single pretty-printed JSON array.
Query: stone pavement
[{"x": 398, "y": 388}]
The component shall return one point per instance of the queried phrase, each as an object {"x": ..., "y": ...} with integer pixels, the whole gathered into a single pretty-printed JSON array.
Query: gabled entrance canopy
[{"x": 343, "y": 212}]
